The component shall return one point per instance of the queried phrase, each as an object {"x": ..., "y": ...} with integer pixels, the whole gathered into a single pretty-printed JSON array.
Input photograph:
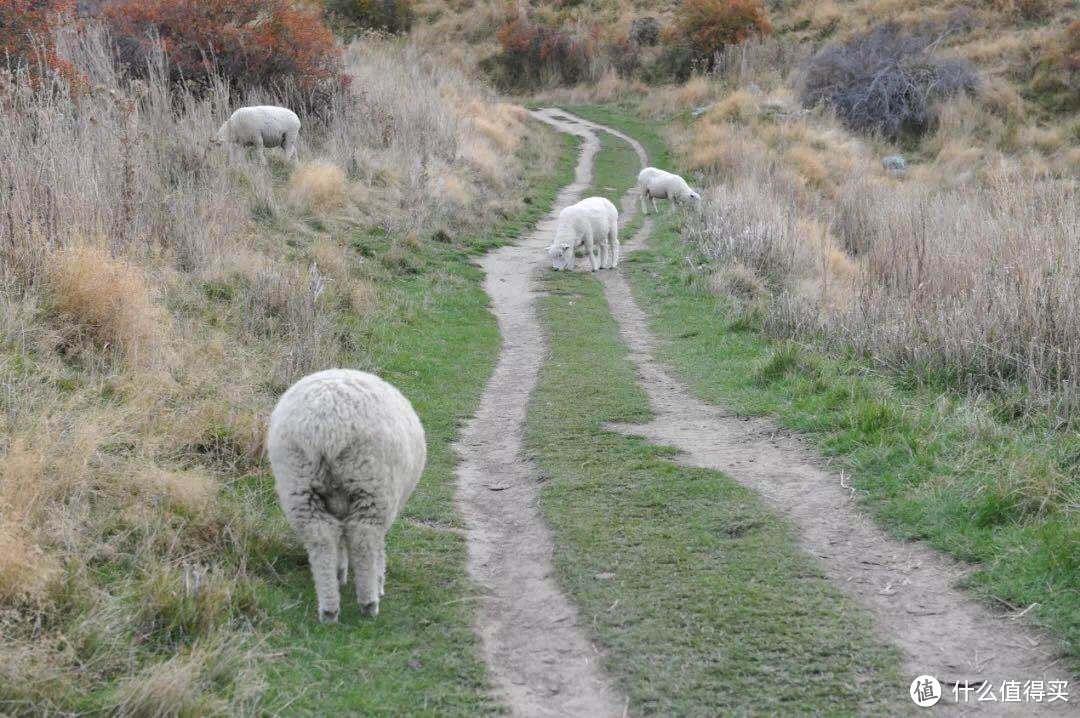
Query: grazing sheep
[
  {"x": 656, "y": 184},
  {"x": 593, "y": 219},
  {"x": 346, "y": 449},
  {"x": 260, "y": 126}
]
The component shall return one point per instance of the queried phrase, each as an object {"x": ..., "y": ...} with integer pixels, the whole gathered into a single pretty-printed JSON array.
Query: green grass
[
  {"x": 647, "y": 132},
  {"x": 933, "y": 465},
  {"x": 972, "y": 477},
  {"x": 419, "y": 657},
  {"x": 698, "y": 592}
]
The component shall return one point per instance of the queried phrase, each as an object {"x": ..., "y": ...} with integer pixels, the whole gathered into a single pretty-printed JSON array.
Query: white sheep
[
  {"x": 592, "y": 220},
  {"x": 346, "y": 449},
  {"x": 656, "y": 184},
  {"x": 260, "y": 126}
]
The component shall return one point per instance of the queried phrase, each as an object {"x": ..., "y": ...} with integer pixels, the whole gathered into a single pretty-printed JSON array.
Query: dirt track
[
  {"x": 537, "y": 653},
  {"x": 542, "y": 660}
]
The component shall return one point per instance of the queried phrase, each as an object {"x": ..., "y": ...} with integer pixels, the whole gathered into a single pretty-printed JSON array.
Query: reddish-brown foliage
[
  {"x": 531, "y": 48},
  {"x": 26, "y": 36},
  {"x": 250, "y": 42},
  {"x": 706, "y": 26}
]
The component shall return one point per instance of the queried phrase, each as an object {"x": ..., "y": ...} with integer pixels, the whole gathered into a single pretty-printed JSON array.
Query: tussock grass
[
  {"x": 98, "y": 300},
  {"x": 319, "y": 185}
]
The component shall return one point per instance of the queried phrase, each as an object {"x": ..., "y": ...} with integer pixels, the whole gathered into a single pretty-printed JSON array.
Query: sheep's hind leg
[
  {"x": 367, "y": 553},
  {"x": 321, "y": 536},
  {"x": 343, "y": 560}
]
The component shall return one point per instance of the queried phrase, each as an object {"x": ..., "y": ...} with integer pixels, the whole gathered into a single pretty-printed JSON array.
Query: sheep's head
[
  {"x": 560, "y": 253},
  {"x": 221, "y": 135},
  {"x": 690, "y": 197}
]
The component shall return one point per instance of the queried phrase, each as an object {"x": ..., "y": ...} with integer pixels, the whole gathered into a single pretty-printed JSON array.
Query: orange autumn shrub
[
  {"x": 706, "y": 26},
  {"x": 26, "y": 37},
  {"x": 250, "y": 43}
]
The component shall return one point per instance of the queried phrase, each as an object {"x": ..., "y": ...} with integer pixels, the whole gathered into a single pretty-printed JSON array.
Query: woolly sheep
[
  {"x": 593, "y": 219},
  {"x": 346, "y": 449},
  {"x": 260, "y": 126},
  {"x": 656, "y": 184}
]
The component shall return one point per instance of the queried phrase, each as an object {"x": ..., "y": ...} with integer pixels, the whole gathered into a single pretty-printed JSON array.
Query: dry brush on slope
[{"x": 154, "y": 300}]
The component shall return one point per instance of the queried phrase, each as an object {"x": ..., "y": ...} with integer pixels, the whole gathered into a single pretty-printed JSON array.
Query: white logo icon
[{"x": 925, "y": 691}]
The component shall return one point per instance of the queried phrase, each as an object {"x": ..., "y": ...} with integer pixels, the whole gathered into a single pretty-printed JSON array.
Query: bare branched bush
[{"x": 885, "y": 80}]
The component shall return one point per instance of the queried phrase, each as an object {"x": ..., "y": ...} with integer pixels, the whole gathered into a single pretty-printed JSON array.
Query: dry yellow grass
[
  {"x": 98, "y": 299},
  {"x": 333, "y": 260},
  {"x": 363, "y": 297},
  {"x": 25, "y": 570},
  {"x": 455, "y": 189},
  {"x": 190, "y": 491},
  {"x": 318, "y": 185},
  {"x": 736, "y": 279}
]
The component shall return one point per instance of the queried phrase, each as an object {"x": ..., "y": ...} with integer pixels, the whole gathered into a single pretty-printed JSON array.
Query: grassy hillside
[{"x": 156, "y": 301}]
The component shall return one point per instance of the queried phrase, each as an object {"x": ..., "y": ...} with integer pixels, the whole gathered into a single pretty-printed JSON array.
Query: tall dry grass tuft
[
  {"x": 318, "y": 185},
  {"x": 96, "y": 299}
]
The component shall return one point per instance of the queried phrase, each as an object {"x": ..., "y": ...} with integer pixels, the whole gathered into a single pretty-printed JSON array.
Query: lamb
[
  {"x": 346, "y": 450},
  {"x": 654, "y": 183},
  {"x": 593, "y": 219},
  {"x": 261, "y": 126}
]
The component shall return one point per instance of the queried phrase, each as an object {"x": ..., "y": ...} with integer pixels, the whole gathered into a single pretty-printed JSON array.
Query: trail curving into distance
[
  {"x": 907, "y": 587},
  {"x": 539, "y": 656}
]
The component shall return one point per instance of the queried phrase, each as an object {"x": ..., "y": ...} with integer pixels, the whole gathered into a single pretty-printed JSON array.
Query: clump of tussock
[
  {"x": 97, "y": 299},
  {"x": 318, "y": 185}
]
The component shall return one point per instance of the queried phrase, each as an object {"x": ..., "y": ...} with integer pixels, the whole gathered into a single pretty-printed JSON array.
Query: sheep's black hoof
[
  {"x": 328, "y": 616},
  {"x": 370, "y": 609}
]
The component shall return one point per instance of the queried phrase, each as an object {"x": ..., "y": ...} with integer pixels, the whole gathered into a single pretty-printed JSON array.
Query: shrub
[
  {"x": 885, "y": 81},
  {"x": 705, "y": 27},
  {"x": 393, "y": 16},
  {"x": 26, "y": 36},
  {"x": 535, "y": 52},
  {"x": 249, "y": 42},
  {"x": 645, "y": 31}
]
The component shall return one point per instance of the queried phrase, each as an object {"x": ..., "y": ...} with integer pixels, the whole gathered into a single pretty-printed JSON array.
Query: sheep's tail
[{"x": 337, "y": 502}]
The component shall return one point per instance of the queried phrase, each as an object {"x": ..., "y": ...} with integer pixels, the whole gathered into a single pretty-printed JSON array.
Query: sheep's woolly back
[
  {"x": 343, "y": 431},
  {"x": 663, "y": 184},
  {"x": 598, "y": 212},
  {"x": 270, "y": 121}
]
